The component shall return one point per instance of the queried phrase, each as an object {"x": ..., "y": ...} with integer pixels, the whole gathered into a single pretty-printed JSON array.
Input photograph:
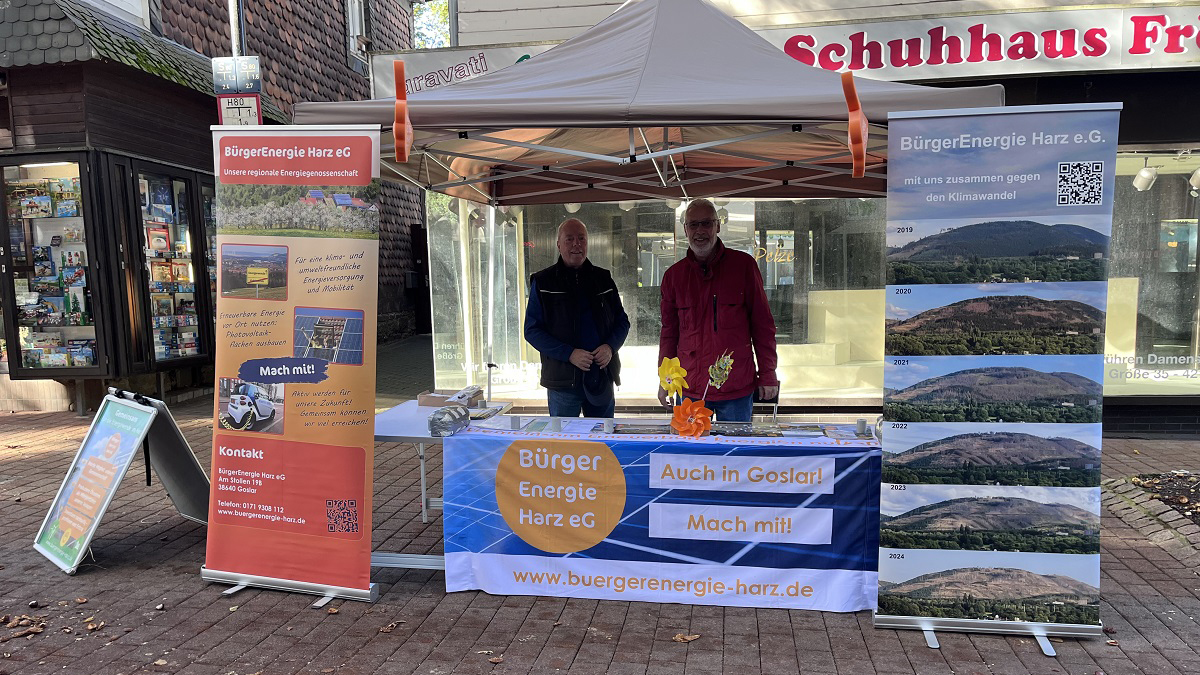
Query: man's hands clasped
[{"x": 583, "y": 359}]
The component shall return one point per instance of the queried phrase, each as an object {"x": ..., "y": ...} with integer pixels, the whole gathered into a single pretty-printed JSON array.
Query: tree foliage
[
  {"x": 1044, "y": 412},
  {"x": 994, "y": 270},
  {"x": 980, "y": 342},
  {"x": 1072, "y": 540},
  {"x": 431, "y": 24},
  {"x": 1047, "y": 475},
  {"x": 1041, "y": 610}
]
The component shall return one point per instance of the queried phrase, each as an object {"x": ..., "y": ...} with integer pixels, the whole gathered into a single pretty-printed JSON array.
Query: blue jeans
[
  {"x": 734, "y": 410},
  {"x": 569, "y": 402}
]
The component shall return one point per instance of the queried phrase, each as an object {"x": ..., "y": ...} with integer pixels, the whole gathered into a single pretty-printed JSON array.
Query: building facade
[
  {"x": 824, "y": 260},
  {"x": 107, "y": 250}
]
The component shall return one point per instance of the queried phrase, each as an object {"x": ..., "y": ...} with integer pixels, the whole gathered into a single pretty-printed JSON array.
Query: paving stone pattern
[{"x": 146, "y": 554}]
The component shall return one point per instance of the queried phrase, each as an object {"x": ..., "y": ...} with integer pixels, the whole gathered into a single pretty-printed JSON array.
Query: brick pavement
[{"x": 147, "y": 554}]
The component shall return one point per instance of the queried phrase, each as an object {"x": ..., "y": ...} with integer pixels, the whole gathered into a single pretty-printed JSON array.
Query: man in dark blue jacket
[{"x": 575, "y": 319}]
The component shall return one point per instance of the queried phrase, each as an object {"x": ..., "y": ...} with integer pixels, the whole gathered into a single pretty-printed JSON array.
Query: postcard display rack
[
  {"x": 51, "y": 275},
  {"x": 170, "y": 272}
]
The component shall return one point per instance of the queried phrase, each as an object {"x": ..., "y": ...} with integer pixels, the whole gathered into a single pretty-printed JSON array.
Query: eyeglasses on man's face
[{"x": 706, "y": 223}]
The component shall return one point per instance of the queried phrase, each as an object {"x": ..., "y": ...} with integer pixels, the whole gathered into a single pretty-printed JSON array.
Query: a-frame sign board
[{"x": 125, "y": 423}]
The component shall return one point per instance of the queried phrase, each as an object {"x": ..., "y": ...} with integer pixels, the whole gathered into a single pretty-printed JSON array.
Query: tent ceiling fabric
[{"x": 563, "y": 125}]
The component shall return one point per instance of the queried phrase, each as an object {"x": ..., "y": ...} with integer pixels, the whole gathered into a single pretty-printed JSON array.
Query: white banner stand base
[
  {"x": 241, "y": 581},
  {"x": 1038, "y": 631}
]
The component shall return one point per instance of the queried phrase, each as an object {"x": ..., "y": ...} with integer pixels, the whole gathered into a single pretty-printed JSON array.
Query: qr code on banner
[
  {"x": 1080, "y": 183},
  {"x": 342, "y": 515}
]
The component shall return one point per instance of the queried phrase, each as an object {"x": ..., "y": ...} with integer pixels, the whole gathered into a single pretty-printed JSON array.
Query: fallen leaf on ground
[
  {"x": 28, "y": 632},
  {"x": 557, "y": 623},
  {"x": 496, "y": 659},
  {"x": 80, "y": 601},
  {"x": 680, "y": 637},
  {"x": 485, "y": 651},
  {"x": 1055, "y": 639},
  {"x": 1113, "y": 643},
  {"x": 233, "y": 609},
  {"x": 89, "y": 619},
  {"x": 333, "y": 610},
  {"x": 160, "y": 662},
  {"x": 1110, "y": 630},
  {"x": 391, "y": 626},
  {"x": 1137, "y": 452}
]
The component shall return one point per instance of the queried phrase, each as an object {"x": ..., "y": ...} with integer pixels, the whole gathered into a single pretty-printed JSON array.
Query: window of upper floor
[{"x": 357, "y": 35}]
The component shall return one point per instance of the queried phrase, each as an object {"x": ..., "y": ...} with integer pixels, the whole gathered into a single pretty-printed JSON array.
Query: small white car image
[{"x": 247, "y": 405}]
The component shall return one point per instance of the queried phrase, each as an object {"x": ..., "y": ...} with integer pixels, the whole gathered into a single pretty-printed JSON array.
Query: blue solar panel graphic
[
  {"x": 473, "y": 522},
  {"x": 349, "y": 347}
]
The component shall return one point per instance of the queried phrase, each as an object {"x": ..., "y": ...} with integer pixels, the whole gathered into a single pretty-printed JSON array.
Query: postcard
[
  {"x": 160, "y": 271},
  {"x": 181, "y": 271},
  {"x": 158, "y": 238},
  {"x": 162, "y": 304}
]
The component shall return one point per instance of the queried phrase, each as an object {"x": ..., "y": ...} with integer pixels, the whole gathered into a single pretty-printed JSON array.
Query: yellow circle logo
[{"x": 560, "y": 496}]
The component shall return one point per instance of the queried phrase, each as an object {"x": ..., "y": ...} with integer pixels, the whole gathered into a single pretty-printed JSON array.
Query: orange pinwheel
[{"x": 691, "y": 418}]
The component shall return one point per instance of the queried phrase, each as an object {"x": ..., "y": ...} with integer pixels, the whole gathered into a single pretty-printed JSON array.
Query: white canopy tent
[{"x": 663, "y": 99}]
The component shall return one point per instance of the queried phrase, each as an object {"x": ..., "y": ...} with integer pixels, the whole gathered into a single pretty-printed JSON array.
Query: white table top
[{"x": 405, "y": 423}]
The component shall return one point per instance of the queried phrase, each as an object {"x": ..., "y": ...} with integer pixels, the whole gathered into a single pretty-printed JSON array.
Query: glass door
[
  {"x": 171, "y": 270},
  {"x": 208, "y": 214},
  {"x": 51, "y": 273}
]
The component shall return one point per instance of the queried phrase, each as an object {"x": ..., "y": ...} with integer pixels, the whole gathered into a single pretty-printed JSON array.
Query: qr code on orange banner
[
  {"x": 342, "y": 515},
  {"x": 1080, "y": 183}
]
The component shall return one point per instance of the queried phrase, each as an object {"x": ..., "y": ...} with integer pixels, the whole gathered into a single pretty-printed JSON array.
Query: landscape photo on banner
[
  {"x": 997, "y": 245},
  {"x": 751, "y": 522},
  {"x": 297, "y": 247}
]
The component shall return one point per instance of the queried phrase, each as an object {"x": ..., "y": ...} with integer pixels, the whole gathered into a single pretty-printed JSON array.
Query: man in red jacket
[{"x": 713, "y": 303}]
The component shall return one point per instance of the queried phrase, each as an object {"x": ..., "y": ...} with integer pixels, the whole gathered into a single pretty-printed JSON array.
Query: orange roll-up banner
[{"x": 297, "y": 257}]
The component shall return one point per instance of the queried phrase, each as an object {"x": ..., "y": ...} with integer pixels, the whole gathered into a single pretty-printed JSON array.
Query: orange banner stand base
[{"x": 240, "y": 581}]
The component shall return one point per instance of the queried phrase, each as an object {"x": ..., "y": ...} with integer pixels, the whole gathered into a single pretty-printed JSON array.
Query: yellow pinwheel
[{"x": 670, "y": 376}]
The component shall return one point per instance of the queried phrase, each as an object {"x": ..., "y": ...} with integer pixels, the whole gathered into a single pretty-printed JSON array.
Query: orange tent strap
[
  {"x": 857, "y": 127},
  {"x": 402, "y": 131}
]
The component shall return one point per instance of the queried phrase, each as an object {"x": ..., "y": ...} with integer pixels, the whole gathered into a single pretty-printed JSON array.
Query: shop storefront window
[
  {"x": 822, "y": 267},
  {"x": 1152, "y": 332},
  {"x": 170, "y": 270},
  {"x": 821, "y": 262},
  {"x": 51, "y": 273}
]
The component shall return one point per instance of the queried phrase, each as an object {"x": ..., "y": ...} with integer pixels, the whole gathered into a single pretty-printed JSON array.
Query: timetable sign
[
  {"x": 236, "y": 74},
  {"x": 239, "y": 109}
]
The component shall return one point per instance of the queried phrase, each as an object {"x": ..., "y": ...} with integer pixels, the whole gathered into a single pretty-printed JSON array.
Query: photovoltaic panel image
[
  {"x": 474, "y": 522},
  {"x": 335, "y": 335}
]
